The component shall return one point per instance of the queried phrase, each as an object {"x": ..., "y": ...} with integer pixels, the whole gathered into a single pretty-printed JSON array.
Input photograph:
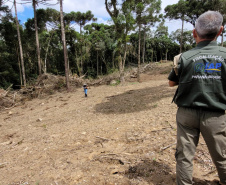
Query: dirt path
[{"x": 118, "y": 135}]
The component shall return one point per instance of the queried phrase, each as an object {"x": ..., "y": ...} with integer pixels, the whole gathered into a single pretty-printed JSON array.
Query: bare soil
[{"x": 123, "y": 135}]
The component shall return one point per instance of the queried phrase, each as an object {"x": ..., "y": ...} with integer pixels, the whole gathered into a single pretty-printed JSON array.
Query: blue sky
[
  {"x": 26, "y": 14},
  {"x": 97, "y": 7}
]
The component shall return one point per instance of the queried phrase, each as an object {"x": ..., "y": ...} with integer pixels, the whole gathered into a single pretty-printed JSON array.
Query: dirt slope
[{"x": 118, "y": 135}]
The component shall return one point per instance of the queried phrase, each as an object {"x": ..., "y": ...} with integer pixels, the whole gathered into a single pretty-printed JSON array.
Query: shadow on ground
[
  {"x": 152, "y": 172},
  {"x": 159, "y": 174},
  {"x": 135, "y": 100},
  {"x": 197, "y": 181}
]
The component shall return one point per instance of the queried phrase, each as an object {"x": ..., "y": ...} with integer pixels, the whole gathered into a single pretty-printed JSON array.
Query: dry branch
[
  {"x": 9, "y": 107},
  {"x": 104, "y": 139},
  {"x": 2, "y": 165},
  {"x": 212, "y": 171},
  {"x": 3, "y": 93},
  {"x": 161, "y": 129},
  {"x": 164, "y": 148}
]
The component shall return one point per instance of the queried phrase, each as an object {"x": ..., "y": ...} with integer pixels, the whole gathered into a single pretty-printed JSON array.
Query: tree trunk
[
  {"x": 20, "y": 46},
  {"x": 166, "y": 53},
  {"x": 121, "y": 71},
  {"x": 124, "y": 57},
  {"x": 64, "y": 45},
  {"x": 68, "y": 65},
  {"x": 138, "y": 68},
  {"x": 77, "y": 63},
  {"x": 181, "y": 37},
  {"x": 97, "y": 64},
  {"x": 18, "y": 58},
  {"x": 81, "y": 50},
  {"x": 143, "y": 54},
  {"x": 222, "y": 38},
  {"x": 156, "y": 56},
  {"x": 105, "y": 63},
  {"x": 101, "y": 69},
  {"x": 152, "y": 55},
  {"x": 81, "y": 64},
  {"x": 47, "y": 49},
  {"x": 37, "y": 39},
  {"x": 113, "y": 60}
]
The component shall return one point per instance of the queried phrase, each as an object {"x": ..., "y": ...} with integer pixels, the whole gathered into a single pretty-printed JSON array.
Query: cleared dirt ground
[{"x": 122, "y": 135}]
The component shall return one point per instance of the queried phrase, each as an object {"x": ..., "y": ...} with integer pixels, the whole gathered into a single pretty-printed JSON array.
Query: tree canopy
[{"x": 136, "y": 31}]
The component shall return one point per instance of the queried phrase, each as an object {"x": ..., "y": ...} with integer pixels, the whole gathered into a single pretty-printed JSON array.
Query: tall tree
[
  {"x": 146, "y": 11},
  {"x": 48, "y": 21},
  {"x": 161, "y": 34},
  {"x": 9, "y": 70},
  {"x": 81, "y": 19},
  {"x": 34, "y": 4},
  {"x": 52, "y": 21},
  {"x": 4, "y": 9},
  {"x": 102, "y": 39},
  {"x": 190, "y": 10},
  {"x": 64, "y": 45},
  {"x": 188, "y": 40},
  {"x": 122, "y": 21},
  {"x": 20, "y": 46},
  {"x": 178, "y": 11},
  {"x": 220, "y": 5}
]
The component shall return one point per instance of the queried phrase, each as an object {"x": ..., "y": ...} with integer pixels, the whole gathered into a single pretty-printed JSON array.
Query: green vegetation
[{"x": 137, "y": 35}]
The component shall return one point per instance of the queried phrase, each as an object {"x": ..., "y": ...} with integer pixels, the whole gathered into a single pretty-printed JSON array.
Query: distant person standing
[
  {"x": 201, "y": 98},
  {"x": 85, "y": 87}
]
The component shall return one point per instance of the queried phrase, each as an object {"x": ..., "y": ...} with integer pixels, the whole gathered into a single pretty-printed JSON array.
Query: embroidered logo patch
[{"x": 208, "y": 67}]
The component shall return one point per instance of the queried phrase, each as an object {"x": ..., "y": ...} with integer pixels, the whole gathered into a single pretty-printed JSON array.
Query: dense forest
[{"x": 136, "y": 34}]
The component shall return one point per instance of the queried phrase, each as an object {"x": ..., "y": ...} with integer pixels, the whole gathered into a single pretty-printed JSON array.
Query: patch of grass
[
  {"x": 133, "y": 83},
  {"x": 44, "y": 126},
  {"x": 51, "y": 92},
  {"x": 20, "y": 142},
  {"x": 165, "y": 72},
  {"x": 155, "y": 106},
  {"x": 115, "y": 84}
]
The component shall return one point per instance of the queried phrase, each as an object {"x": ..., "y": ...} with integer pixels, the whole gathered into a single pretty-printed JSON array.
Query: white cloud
[
  {"x": 104, "y": 21},
  {"x": 173, "y": 25},
  {"x": 97, "y": 7},
  {"x": 20, "y": 6},
  {"x": 168, "y": 2}
]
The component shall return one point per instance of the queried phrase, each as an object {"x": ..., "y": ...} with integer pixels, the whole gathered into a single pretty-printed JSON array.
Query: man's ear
[
  {"x": 195, "y": 35},
  {"x": 221, "y": 29}
]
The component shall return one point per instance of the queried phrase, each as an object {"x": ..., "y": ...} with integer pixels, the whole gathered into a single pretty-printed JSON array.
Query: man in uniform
[{"x": 201, "y": 98}]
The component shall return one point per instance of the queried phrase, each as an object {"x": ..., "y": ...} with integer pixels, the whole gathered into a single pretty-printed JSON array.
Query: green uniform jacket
[{"x": 202, "y": 77}]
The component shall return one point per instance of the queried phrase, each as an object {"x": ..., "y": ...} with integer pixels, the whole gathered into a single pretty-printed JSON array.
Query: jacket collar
[{"x": 207, "y": 43}]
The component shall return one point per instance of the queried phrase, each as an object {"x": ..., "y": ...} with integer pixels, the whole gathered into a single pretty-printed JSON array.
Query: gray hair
[{"x": 208, "y": 24}]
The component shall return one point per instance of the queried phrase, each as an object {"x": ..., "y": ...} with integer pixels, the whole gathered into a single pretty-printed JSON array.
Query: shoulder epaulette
[{"x": 222, "y": 49}]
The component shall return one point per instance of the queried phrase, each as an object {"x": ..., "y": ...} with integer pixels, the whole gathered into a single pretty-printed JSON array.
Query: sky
[{"x": 97, "y": 7}]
